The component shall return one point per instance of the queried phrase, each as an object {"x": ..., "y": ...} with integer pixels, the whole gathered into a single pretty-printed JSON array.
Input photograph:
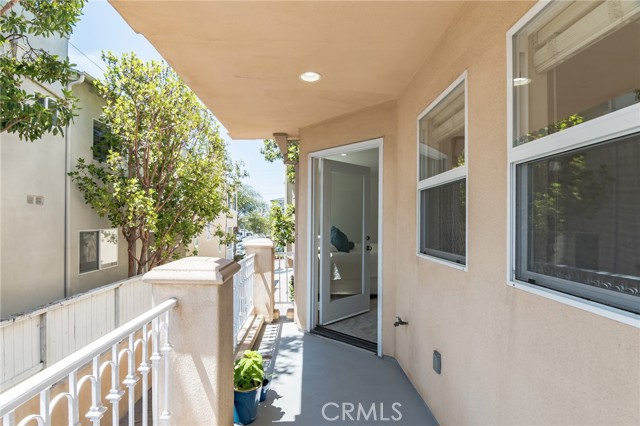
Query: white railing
[
  {"x": 104, "y": 357},
  {"x": 34, "y": 340},
  {"x": 283, "y": 272},
  {"x": 242, "y": 294}
]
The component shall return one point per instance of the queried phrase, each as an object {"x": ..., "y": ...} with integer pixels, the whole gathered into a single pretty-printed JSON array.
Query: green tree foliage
[
  {"x": 283, "y": 224},
  {"x": 21, "y": 23},
  {"x": 167, "y": 173},
  {"x": 271, "y": 153},
  {"x": 253, "y": 211}
]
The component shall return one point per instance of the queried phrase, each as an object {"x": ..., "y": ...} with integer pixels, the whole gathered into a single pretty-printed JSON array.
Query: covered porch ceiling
[{"x": 244, "y": 58}]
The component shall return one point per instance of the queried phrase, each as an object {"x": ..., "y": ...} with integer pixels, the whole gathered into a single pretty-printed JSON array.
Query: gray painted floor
[{"x": 312, "y": 372}]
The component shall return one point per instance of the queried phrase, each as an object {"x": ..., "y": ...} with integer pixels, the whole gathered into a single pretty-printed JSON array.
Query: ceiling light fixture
[
  {"x": 521, "y": 81},
  {"x": 310, "y": 76},
  {"x": 343, "y": 154}
]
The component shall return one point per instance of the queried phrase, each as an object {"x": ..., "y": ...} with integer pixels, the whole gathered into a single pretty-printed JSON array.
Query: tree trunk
[
  {"x": 144, "y": 252},
  {"x": 131, "y": 250}
]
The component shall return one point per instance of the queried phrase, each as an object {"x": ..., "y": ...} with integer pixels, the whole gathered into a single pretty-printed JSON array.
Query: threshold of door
[{"x": 345, "y": 338}]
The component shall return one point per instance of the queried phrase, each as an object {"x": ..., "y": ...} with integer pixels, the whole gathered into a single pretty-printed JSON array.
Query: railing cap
[
  {"x": 194, "y": 271},
  {"x": 258, "y": 242}
]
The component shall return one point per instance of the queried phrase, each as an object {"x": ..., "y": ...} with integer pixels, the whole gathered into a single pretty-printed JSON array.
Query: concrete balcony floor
[{"x": 312, "y": 373}]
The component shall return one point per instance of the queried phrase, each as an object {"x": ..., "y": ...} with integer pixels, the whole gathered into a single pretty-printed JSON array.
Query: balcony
[{"x": 182, "y": 350}]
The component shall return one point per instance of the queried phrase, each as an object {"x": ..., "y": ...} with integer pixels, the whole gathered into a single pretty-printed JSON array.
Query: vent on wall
[{"x": 38, "y": 200}]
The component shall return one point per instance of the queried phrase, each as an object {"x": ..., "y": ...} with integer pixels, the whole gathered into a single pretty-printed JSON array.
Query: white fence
[
  {"x": 283, "y": 273},
  {"x": 33, "y": 341},
  {"x": 242, "y": 294},
  {"x": 106, "y": 359}
]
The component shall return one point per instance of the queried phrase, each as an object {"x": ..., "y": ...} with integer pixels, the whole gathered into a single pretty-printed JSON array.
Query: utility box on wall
[{"x": 437, "y": 362}]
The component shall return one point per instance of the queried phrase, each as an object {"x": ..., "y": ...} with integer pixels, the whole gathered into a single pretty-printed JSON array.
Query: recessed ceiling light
[
  {"x": 310, "y": 76},
  {"x": 343, "y": 154},
  {"x": 521, "y": 81}
]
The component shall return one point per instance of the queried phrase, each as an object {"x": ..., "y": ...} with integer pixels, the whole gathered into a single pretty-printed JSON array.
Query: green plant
[
  {"x": 22, "y": 57},
  {"x": 248, "y": 371},
  {"x": 283, "y": 224},
  {"x": 271, "y": 153},
  {"x": 292, "y": 290},
  {"x": 167, "y": 174}
]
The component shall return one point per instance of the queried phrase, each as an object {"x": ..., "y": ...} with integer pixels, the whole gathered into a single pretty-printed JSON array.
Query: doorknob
[{"x": 368, "y": 247}]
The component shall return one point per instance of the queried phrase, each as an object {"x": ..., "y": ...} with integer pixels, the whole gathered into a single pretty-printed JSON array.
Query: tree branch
[{"x": 8, "y": 6}]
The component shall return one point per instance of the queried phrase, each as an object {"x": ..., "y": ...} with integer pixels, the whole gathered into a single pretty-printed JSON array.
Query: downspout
[{"x": 67, "y": 199}]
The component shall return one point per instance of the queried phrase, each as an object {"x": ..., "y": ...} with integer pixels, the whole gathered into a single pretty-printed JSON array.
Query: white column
[{"x": 263, "y": 279}]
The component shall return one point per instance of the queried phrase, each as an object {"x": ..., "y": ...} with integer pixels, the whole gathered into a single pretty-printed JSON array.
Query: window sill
[
  {"x": 576, "y": 302},
  {"x": 443, "y": 262},
  {"x": 98, "y": 270}
]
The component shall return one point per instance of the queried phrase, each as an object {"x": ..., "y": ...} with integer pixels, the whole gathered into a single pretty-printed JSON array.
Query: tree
[
  {"x": 21, "y": 21},
  {"x": 167, "y": 173},
  {"x": 283, "y": 224},
  {"x": 253, "y": 211},
  {"x": 271, "y": 153}
]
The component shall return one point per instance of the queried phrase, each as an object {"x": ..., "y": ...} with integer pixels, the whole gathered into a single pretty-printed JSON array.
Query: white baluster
[
  {"x": 73, "y": 391},
  {"x": 155, "y": 369},
  {"x": 115, "y": 394},
  {"x": 97, "y": 409},
  {"x": 45, "y": 400},
  {"x": 131, "y": 379},
  {"x": 166, "y": 348},
  {"x": 9, "y": 419},
  {"x": 144, "y": 370}
]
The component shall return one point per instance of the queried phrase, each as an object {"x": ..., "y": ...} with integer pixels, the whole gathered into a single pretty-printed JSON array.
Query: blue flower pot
[
  {"x": 264, "y": 390},
  {"x": 245, "y": 405}
]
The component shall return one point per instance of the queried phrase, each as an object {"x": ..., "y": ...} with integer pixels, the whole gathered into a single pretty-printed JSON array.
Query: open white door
[{"x": 344, "y": 276}]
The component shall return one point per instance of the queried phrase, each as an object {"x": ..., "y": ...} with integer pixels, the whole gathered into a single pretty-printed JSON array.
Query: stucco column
[
  {"x": 263, "y": 280},
  {"x": 201, "y": 333}
]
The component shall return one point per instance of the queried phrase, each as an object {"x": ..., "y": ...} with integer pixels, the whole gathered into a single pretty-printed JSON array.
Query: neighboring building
[
  {"x": 503, "y": 140},
  {"x": 279, "y": 201},
  {"x": 209, "y": 245},
  {"x": 53, "y": 245}
]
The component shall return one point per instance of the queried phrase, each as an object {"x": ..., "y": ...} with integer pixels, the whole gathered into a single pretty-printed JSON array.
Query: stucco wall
[
  {"x": 372, "y": 123},
  {"x": 508, "y": 356},
  {"x": 32, "y": 236},
  {"x": 82, "y": 216}
]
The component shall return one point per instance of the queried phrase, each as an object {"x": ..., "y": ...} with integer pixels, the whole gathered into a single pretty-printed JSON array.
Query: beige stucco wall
[
  {"x": 372, "y": 123},
  {"x": 508, "y": 356},
  {"x": 82, "y": 216},
  {"x": 32, "y": 254},
  {"x": 208, "y": 244},
  {"x": 31, "y": 235}
]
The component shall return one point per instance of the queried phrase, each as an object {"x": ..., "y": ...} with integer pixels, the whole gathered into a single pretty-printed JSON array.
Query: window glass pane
[
  {"x": 442, "y": 135},
  {"x": 579, "y": 217},
  {"x": 574, "y": 62},
  {"x": 443, "y": 221},
  {"x": 100, "y": 142},
  {"x": 88, "y": 248},
  {"x": 108, "y": 247}
]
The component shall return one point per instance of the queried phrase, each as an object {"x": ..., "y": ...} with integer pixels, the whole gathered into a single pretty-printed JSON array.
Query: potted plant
[
  {"x": 248, "y": 374},
  {"x": 266, "y": 384}
]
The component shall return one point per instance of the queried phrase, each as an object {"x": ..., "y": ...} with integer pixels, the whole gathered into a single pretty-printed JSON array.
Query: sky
[{"x": 102, "y": 28}]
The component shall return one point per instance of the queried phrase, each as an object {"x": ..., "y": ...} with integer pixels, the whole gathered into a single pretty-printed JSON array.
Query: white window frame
[
  {"x": 455, "y": 174},
  {"x": 100, "y": 267},
  {"x": 610, "y": 126}
]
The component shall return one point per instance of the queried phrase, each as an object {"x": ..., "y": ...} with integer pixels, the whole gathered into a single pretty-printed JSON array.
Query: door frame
[{"x": 312, "y": 265}]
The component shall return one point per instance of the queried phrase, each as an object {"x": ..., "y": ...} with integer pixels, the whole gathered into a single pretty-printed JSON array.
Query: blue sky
[{"x": 102, "y": 28}]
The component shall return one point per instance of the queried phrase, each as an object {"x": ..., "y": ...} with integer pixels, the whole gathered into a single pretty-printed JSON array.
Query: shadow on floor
[{"x": 317, "y": 381}]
